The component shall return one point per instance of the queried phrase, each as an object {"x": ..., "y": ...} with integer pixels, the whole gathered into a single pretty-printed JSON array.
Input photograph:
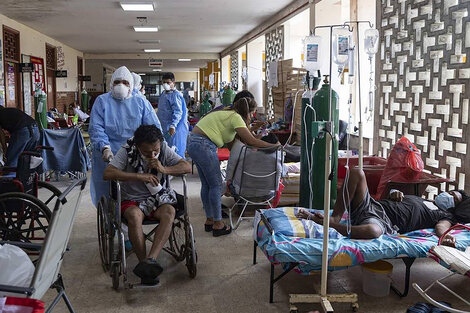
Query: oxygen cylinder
[
  {"x": 228, "y": 96},
  {"x": 321, "y": 105},
  {"x": 205, "y": 106},
  {"x": 85, "y": 99},
  {"x": 40, "y": 107},
  {"x": 307, "y": 117}
]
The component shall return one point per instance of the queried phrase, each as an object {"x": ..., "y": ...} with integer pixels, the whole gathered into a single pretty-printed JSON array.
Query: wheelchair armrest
[
  {"x": 23, "y": 245},
  {"x": 15, "y": 289}
]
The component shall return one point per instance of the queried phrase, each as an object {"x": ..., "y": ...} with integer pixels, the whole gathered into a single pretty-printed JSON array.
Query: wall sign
[
  {"x": 38, "y": 73},
  {"x": 155, "y": 63},
  {"x": 60, "y": 59},
  {"x": 85, "y": 78},
  {"x": 26, "y": 67},
  {"x": 60, "y": 73}
]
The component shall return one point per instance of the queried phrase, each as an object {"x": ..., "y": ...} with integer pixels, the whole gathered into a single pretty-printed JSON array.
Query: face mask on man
[
  {"x": 167, "y": 87},
  {"x": 444, "y": 201},
  {"x": 120, "y": 91},
  {"x": 143, "y": 92}
]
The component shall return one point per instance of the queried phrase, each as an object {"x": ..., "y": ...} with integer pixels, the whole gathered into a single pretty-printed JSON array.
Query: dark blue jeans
[
  {"x": 204, "y": 154},
  {"x": 24, "y": 139}
]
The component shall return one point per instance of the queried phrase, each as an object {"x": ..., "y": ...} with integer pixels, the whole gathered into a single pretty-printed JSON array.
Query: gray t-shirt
[{"x": 136, "y": 190}]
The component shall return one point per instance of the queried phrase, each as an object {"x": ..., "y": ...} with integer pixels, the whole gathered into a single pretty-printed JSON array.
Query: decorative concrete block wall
[{"x": 423, "y": 76}]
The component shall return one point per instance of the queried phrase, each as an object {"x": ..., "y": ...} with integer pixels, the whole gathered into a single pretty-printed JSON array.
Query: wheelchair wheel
[
  {"x": 191, "y": 254},
  {"x": 23, "y": 218},
  {"x": 177, "y": 241},
  {"x": 48, "y": 194},
  {"x": 115, "y": 254},
  {"x": 103, "y": 235}
]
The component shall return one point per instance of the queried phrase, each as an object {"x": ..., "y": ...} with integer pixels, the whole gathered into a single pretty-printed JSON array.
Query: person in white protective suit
[
  {"x": 114, "y": 118},
  {"x": 137, "y": 86}
]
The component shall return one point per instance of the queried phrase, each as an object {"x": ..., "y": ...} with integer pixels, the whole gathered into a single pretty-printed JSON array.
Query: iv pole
[
  {"x": 361, "y": 135},
  {"x": 323, "y": 298}
]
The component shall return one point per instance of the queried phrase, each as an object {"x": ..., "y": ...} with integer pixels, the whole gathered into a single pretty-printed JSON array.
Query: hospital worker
[
  {"x": 114, "y": 118},
  {"x": 172, "y": 113}
]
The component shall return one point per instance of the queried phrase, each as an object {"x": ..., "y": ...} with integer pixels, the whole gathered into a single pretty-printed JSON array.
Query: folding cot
[{"x": 281, "y": 237}]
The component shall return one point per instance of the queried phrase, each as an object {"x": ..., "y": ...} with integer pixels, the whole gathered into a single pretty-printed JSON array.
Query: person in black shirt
[
  {"x": 398, "y": 214},
  {"x": 24, "y": 133}
]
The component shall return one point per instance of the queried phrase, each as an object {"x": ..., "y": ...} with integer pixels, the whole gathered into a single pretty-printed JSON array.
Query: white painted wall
[
  {"x": 295, "y": 30},
  {"x": 240, "y": 67},
  {"x": 34, "y": 43},
  {"x": 225, "y": 69},
  {"x": 255, "y": 68}
]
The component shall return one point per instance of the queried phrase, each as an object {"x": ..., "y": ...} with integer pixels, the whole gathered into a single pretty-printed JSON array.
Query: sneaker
[{"x": 148, "y": 269}]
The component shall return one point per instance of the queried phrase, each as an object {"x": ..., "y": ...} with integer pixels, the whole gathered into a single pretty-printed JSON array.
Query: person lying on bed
[{"x": 398, "y": 214}]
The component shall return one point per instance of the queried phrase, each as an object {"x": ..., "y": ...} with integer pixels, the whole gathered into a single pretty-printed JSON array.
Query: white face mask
[
  {"x": 167, "y": 87},
  {"x": 120, "y": 91},
  {"x": 143, "y": 92}
]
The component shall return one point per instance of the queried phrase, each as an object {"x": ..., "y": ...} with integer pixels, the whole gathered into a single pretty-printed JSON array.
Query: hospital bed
[{"x": 282, "y": 238}]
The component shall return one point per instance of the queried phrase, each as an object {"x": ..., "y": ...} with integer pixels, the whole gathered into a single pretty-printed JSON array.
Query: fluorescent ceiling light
[
  {"x": 141, "y": 74},
  {"x": 157, "y": 70},
  {"x": 137, "y": 6},
  {"x": 184, "y": 60},
  {"x": 149, "y": 41},
  {"x": 146, "y": 28},
  {"x": 151, "y": 50}
]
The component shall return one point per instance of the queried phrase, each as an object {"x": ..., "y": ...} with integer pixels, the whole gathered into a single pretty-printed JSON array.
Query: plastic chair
[{"x": 46, "y": 274}]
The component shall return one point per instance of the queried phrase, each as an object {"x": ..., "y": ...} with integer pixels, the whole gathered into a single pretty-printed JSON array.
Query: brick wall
[{"x": 64, "y": 99}]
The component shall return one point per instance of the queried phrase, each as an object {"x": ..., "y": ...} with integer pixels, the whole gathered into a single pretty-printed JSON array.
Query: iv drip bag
[
  {"x": 312, "y": 48},
  {"x": 341, "y": 44},
  {"x": 371, "y": 41}
]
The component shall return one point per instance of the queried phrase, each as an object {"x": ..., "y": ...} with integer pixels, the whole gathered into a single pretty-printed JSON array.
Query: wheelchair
[
  {"x": 180, "y": 245},
  {"x": 26, "y": 203}
]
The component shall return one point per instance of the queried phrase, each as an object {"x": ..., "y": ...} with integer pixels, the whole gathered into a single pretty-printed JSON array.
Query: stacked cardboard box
[{"x": 290, "y": 81}]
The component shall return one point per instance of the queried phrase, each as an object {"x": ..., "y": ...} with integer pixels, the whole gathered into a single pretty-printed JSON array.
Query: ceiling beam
[
  {"x": 292, "y": 9},
  {"x": 144, "y": 56}
]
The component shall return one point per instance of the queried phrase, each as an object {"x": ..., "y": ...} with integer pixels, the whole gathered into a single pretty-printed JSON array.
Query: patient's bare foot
[{"x": 304, "y": 214}]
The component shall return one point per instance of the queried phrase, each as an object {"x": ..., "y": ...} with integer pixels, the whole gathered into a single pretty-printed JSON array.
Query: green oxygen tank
[
  {"x": 205, "y": 106},
  {"x": 307, "y": 117},
  {"x": 320, "y": 104},
  {"x": 85, "y": 100},
  {"x": 40, "y": 107},
  {"x": 228, "y": 95}
]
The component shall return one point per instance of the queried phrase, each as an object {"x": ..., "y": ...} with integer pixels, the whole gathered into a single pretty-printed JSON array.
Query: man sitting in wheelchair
[{"x": 141, "y": 166}]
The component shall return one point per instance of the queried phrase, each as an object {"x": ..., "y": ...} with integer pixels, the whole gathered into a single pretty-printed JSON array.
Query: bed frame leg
[
  {"x": 255, "y": 245},
  {"x": 408, "y": 262},
  {"x": 271, "y": 285}
]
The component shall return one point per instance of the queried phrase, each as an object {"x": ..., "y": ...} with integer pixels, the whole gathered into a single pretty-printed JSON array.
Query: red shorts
[{"x": 127, "y": 204}]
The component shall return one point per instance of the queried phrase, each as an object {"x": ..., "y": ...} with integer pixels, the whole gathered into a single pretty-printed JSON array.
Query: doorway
[
  {"x": 51, "y": 66},
  {"x": 11, "y": 52},
  {"x": 80, "y": 80}
]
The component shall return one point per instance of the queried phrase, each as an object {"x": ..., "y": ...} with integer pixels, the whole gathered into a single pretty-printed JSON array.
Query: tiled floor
[{"x": 226, "y": 279}]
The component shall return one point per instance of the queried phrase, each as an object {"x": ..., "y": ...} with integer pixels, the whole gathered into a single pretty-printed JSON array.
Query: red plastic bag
[
  {"x": 277, "y": 197},
  {"x": 403, "y": 164},
  {"x": 21, "y": 305}
]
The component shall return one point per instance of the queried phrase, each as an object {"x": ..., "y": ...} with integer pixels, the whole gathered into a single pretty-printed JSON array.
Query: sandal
[
  {"x": 207, "y": 227},
  {"x": 221, "y": 232}
]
